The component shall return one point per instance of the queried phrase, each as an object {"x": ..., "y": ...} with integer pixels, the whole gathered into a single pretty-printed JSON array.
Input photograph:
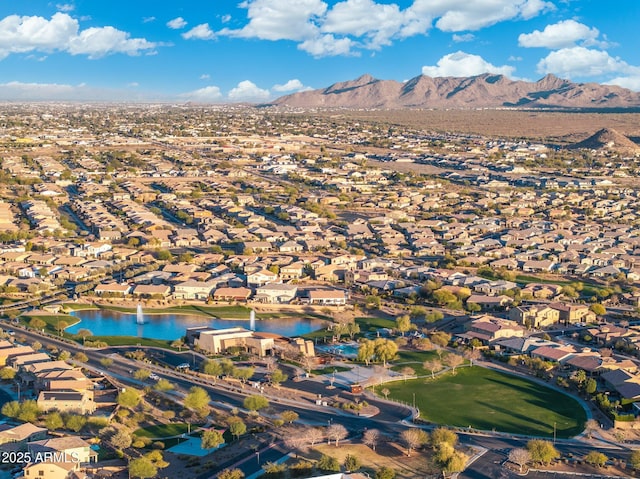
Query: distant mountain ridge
[{"x": 481, "y": 91}]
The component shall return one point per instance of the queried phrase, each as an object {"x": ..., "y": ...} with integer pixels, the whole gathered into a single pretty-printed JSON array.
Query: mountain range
[{"x": 481, "y": 91}]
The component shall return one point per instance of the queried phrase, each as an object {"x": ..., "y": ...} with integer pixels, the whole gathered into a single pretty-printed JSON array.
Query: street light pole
[{"x": 554, "y": 432}]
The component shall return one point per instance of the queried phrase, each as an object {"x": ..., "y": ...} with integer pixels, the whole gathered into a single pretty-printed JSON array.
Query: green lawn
[
  {"x": 487, "y": 399},
  {"x": 367, "y": 324},
  {"x": 132, "y": 341},
  {"x": 415, "y": 359},
  {"x": 163, "y": 430}
]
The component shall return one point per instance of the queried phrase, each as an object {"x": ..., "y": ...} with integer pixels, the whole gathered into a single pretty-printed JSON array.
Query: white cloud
[
  {"x": 148, "y": 19},
  {"x": 199, "y": 32},
  {"x": 581, "y": 62},
  {"x": 559, "y": 35},
  {"x": 208, "y": 94},
  {"x": 632, "y": 82},
  {"x": 461, "y": 15},
  {"x": 248, "y": 91},
  {"x": 291, "y": 85},
  {"x": 280, "y": 19},
  {"x": 177, "y": 23},
  {"x": 62, "y": 33},
  {"x": 323, "y": 30},
  {"x": 467, "y": 37},
  {"x": 225, "y": 18},
  {"x": 378, "y": 23},
  {"x": 461, "y": 64},
  {"x": 205, "y": 76},
  {"x": 65, "y": 7},
  {"x": 133, "y": 84},
  {"x": 327, "y": 45}
]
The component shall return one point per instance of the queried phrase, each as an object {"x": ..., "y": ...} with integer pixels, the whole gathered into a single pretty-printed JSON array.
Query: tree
[
  {"x": 289, "y": 416},
  {"x": 243, "y": 374},
  {"x": 472, "y": 355},
  {"x": 277, "y": 377},
  {"x": 590, "y": 427},
  {"x": 542, "y": 451},
  {"x": 328, "y": 463},
  {"x": 440, "y": 339},
  {"x": 178, "y": 344},
  {"x": 37, "y": 323},
  {"x": 443, "y": 435},
  {"x": 212, "y": 368},
  {"x": 371, "y": 437},
  {"x": 80, "y": 357},
  {"x": 128, "y": 398},
  {"x": 75, "y": 422},
  {"x": 413, "y": 438},
  {"x": 351, "y": 463},
  {"x": 211, "y": 439},
  {"x": 336, "y": 432},
  {"x": 353, "y": 329},
  {"x": 84, "y": 334},
  {"x": 255, "y": 402},
  {"x": 61, "y": 326},
  {"x": 7, "y": 373},
  {"x": 120, "y": 438},
  {"x": 403, "y": 323},
  {"x": 385, "y": 473},
  {"x": 386, "y": 392},
  {"x": 366, "y": 351},
  {"x": 231, "y": 474},
  {"x": 432, "y": 365},
  {"x": 36, "y": 346},
  {"x": 106, "y": 362},
  {"x": 455, "y": 463},
  {"x": 407, "y": 371},
  {"x": 197, "y": 399},
  {"x": 142, "y": 468},
  {"x": 598, "y": 309},
  {"x": 520, "y": 457},
  {"x": 142, "y": 374},
  {"x": 590, "y": 386},
  {"x": 54, "y": 421},
  {"x": 237, "y": 427},
  {"x": 11, "y": 409},
  {"x": 596, "y": 458},
  {"x": 385, "y": 350},
  {"x": 634, "y": 459},
  {"x": 453, "y": 361},
  {"x": 473, "y": 307},
  {"x": 163, "y": 385}
]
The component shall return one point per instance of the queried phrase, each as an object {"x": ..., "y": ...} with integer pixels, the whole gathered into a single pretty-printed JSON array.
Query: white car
[{"x": 154, "y": 376}]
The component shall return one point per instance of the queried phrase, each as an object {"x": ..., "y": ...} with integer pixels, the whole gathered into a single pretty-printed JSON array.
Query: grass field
[
  {"x": 490, "y": 400},
  {"x": 163, "y": 430}
]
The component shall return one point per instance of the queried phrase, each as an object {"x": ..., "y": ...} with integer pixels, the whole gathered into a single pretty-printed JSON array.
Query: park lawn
[
  {"x": 414, "y": 360},
  {"x": 133, "y": 341},
  {"x": 51, "y": 320},
  {"x": 367, "y": 324},
  {"x": 329, "y": 370},
  {"x": 490, "y": 400},
  {"x": 163, "y": 430}
]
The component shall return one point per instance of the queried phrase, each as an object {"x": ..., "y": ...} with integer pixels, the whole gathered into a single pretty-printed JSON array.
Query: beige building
[
  {"x": 216, "y": 341},
  {"x": 67, "y": 401},
  {"x": 534, "y": 316}
]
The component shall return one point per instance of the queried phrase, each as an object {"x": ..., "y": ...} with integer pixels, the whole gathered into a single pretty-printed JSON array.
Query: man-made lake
[{"x": 173, "y": 326}]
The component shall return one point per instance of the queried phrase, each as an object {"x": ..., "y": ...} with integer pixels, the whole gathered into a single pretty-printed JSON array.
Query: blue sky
[{"x": 222, "y": 51}]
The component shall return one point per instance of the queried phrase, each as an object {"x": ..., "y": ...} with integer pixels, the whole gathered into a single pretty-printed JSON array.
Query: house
[
  {"x": 260, "y": 278},
  {"x": 63, "y": 380},
  {"x": 216, "y": 341},
  {"x": 22, "y": 433},
  {"x": 488, "y": 303},
  {"x": 67, "y": 401},
  {"x": 192, "y": 289},
  {"x": 276, "y": 293},
  {"x": 73, "y": 447},
  {"x": 7, "y": 353},
  {"x": 553, "y": 354},
  {"x": 488, "y": 328},
  {"x": 573, "y": 313},
  {"x": 293, "y": 271},
  {"x": 232, "y": 294},
  {"x": 151, "y": 290},
  {"x": 112, "y": 289},
  {"x": 327, "y": 296},
  {"x": 51, "y": 470},
  {"x": 538, "y": 316},
  {"x": 495, "y": 288}
]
